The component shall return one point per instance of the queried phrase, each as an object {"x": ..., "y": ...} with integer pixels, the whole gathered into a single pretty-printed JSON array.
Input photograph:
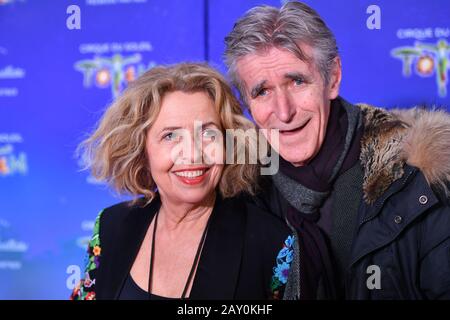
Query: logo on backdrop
[
  {"x": 11, "y": 249},
  {"x": 12, "y": 160},
  {"x": 4, "y": 2},
  {"x": 9, "y": 72},
  {"x": 429, "y": 55},
  {"x": 113, "y": 65},
  {"x": 86, "y": 226},
  {"x": 112, "y": 2}
]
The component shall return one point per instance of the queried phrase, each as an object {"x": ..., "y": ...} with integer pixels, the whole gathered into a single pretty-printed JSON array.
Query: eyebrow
[
  {"x": 170, "y": 129},
  {"x": 210, "y": 123},
  {"x": 204, "y": 125},
  {"x": 290, "y": 75},
  {"x": 295, "y": 76}
]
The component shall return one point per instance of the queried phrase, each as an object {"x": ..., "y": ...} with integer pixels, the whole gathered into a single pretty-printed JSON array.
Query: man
[{"x": 367, "y": 187}]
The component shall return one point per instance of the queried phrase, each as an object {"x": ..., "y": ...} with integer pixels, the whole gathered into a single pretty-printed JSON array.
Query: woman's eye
[
  {"x": 171, "y": 136},
  {"x": 210, "y": 134}
]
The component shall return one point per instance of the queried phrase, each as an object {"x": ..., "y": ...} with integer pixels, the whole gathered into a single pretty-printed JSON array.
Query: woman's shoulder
[
  {"x": 113, "y": 217},
  {"x": 121, "y": 210},
  {"x": 124, "y": 207},
  {"x": 118, "y": 210}
]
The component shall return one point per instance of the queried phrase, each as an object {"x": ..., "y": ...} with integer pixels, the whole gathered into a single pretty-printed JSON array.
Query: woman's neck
[{"x": 179, "y": 216}]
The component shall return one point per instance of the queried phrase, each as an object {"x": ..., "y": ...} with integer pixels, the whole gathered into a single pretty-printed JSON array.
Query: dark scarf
[{"x": 306, "y": 188}]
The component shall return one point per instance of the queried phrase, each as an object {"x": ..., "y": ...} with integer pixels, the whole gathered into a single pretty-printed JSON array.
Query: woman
[{"x": 191, "y": 234}]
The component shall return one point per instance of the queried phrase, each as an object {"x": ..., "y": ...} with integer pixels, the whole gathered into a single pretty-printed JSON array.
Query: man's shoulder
[
  {"x": 392, "y": 138},
  {"x": 427, "y": 144}
]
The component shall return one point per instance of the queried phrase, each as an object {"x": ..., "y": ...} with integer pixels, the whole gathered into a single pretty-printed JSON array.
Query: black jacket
[
  {"x": 406, "y": 233},
  {"x": 237, "y": 260}
]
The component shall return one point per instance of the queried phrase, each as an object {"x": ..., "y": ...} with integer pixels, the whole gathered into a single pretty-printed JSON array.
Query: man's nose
[{"x": 284, "y": 108}]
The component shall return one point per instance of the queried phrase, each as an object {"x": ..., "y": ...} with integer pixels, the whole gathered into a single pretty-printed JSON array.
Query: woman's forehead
[{"x": 183, "y": 109}]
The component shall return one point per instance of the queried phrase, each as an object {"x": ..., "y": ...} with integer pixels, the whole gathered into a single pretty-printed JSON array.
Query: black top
[
  {"x": 131, "y": 291},
  {"x": 238, "y": 259}
]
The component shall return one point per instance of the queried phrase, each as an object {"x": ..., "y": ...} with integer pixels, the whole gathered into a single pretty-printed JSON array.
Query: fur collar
[{"x": 418, "y": 137}]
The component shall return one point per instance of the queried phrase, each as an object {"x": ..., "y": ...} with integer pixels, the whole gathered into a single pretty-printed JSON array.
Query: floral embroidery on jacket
[
  {"x": 281, "y": 271},
  {"x": 85, "y": 290}
]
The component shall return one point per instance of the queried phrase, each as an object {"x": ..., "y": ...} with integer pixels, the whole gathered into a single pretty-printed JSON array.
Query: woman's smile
[{"x": 191, "y": 176}]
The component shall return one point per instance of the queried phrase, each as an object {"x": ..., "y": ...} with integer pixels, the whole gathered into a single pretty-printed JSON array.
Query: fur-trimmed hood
[{"x": 418, "y": 137}]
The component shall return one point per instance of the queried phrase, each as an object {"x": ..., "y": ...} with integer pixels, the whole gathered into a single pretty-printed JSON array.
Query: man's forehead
[{"x": 257, "y": 67}]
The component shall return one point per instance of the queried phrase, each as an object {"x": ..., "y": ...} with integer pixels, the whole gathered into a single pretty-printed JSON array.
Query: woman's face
[{"x": 185, "y": 147}]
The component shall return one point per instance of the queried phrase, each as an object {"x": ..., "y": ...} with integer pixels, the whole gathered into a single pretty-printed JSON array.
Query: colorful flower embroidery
[
  {"x": 281, "y": 271},
  {"x": 85, "y": 290},
  {"x": 97, "y": 250},
  {"x": 90, "y": 296}
]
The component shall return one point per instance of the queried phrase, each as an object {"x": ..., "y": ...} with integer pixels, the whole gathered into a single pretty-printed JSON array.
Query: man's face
[{"x": 288, "y": 94}]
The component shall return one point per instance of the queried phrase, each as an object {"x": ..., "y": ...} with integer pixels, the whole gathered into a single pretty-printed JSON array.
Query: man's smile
[{"x": 295, "y": 130}]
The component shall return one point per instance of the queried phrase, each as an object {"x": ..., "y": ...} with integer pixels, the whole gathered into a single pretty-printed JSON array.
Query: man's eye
[
  {"x": 262, "y": 92},
  {"x": 298, "y": 82}
]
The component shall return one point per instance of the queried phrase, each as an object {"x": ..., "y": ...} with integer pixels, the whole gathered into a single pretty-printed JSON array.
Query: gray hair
[{"x": 263, "y": 27}]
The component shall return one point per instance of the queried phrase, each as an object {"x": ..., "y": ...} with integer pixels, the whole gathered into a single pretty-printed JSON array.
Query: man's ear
[{"x": 334, "y": 82}]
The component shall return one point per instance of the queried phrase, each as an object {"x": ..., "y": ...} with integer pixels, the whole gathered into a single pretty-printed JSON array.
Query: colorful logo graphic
[
  {"x": 116, "y": 71},
  {"x": 12, "y": 162},
  {"x": 427, "y": 59}
]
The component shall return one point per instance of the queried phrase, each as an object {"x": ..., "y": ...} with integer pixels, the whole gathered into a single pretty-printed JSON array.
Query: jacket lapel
[
  {"x": 218, "y": 270},
  {"x": 129, "y": 239}
]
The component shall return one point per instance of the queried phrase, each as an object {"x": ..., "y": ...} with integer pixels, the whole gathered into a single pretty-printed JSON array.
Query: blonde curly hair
[{"x": 116, "y": 151}]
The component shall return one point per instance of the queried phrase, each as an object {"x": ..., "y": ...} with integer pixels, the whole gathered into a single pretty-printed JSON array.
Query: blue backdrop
[{"x": 56, "y": 81}]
